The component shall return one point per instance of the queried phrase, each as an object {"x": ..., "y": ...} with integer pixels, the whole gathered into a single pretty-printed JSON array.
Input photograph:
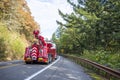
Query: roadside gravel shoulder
[{"x": 6, "y": 63}]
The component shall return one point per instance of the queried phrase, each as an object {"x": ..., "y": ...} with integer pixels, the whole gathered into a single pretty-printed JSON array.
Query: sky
[{"x": 45, "y": 13}]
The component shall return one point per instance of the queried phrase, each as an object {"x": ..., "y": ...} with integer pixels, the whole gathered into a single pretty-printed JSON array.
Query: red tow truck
[{"x": 40, "y": 51}]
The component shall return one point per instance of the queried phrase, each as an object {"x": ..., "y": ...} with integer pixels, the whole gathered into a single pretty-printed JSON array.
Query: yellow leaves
[
  {"x": 20, "y": 18},
  {"x": 12, "y": 43},
  {"x": 1, "y": 5},
  {"x": 19, "y": 27}
]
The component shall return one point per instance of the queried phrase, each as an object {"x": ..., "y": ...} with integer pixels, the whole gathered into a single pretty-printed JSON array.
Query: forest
[
  {"x": 16, "y": 27},
  {"x": 91, "y": 31}
]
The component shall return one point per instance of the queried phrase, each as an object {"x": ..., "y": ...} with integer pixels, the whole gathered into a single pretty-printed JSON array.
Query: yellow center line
[{"x": 12, "y": 65}]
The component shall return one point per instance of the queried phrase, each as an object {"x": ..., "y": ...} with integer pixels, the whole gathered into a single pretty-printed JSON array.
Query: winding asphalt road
[{"x": 61, "y": 69}]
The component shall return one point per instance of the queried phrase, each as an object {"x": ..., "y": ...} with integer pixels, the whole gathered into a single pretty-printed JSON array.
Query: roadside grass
[
  {"x": 93, "y": 75},
  {"x": 12, "y": 44},
  {"x": 105, "y": 58}
]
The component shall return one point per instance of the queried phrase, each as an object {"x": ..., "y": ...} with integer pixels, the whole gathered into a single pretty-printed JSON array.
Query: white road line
[{"x": 40, "y": 71}]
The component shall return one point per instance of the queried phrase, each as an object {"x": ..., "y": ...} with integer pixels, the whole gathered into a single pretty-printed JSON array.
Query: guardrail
[{"x": 104, "y": 71}]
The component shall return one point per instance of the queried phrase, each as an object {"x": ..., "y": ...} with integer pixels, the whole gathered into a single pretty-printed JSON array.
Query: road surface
[{"x": 61, "y": 69}]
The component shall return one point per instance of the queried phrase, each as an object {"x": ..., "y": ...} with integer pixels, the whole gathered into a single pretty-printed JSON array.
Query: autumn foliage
[{"x": 15, "y": 20}]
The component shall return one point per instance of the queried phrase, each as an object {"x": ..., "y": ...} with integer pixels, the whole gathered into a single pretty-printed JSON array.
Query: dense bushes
[
  {"x": 106, "y": 58},
  {"x": 16, "y": 27},
  {"x": 12, "y": 44}
]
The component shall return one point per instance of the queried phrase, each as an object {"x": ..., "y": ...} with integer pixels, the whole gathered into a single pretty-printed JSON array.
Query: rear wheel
[{"x": 27, "y": 62}]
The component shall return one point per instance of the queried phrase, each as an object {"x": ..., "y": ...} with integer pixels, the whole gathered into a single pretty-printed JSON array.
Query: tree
[{"x": 93, "y": 26}]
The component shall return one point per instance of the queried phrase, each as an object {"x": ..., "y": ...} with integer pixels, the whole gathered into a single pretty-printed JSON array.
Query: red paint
[{"x": 42, "y": 49}]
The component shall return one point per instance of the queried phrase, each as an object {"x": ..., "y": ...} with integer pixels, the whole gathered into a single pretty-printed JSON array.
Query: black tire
[{"x": 28, "y": 62}]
